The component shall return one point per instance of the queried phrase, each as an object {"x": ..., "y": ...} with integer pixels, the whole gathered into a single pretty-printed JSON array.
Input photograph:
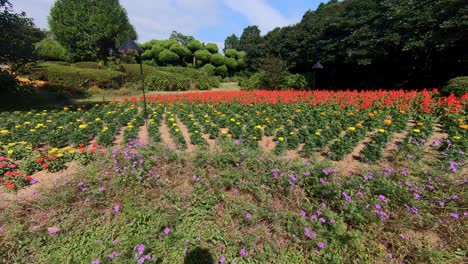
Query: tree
[
  {"x": 194, "y": 46},
  {"x": 252, "y": 43},
  {"x": 231, "y": 53},
  {"x": 275, "y": 73},
  {"x": 232, "y": 64},
  {"x": 89, "y": 29},
  {"x": 209, "y": 69},
  {"x": 231, "y": 42},
  {"x": 181, "y": 38},
  {"x": 49, "y": 49},
  {"x": 18, "y": 37},
  {"x": 202, "y": 55},
  {"x": 212, "y": 48},
  {"x": 167, "y": 57},
  {"x": 180, "y": 50},
  {"x": 218, "y": 59},
  {"x": 221, "y": 71}
]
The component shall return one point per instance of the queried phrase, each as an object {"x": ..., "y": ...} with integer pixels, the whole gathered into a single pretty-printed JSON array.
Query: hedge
[{"x": 458, "y": 86}]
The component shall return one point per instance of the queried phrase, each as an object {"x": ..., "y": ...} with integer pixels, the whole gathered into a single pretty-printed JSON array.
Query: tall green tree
[
  {"x": 253, "y": 44},
  {"x": 231, "y": 42},
  {"x": 181, "y": 38},
  {"x": 89, "y": 29},
  {"x": 18, "y": 37}
]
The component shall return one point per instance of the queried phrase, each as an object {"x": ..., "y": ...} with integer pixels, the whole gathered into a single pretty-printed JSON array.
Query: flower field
[{"x": 248, "y": 177}]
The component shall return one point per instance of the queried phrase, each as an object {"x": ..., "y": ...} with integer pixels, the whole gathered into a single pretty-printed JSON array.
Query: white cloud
[
  {"x": 259, "y": 13},
  {"x": 157, "y": 19}
]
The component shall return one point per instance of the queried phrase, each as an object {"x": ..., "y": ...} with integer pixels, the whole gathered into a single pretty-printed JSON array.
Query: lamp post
[
  {"x": 317, "y": 66},
  {"x": 130, "y": 47}
]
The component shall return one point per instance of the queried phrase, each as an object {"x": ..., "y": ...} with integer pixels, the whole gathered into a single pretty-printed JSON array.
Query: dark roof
[
  {"x": 317, "y": 65},
  {"x": 129, "y": 46}
]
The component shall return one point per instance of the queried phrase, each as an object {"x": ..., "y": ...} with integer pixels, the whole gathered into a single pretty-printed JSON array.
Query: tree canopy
[{"x": 89, "y": 29}]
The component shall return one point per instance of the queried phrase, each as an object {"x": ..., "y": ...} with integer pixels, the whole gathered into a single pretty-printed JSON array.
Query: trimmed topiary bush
[
  {"x": 296, "y": 81},
  {"x": 221, "y": 71},
  {"x": 167, "y": 57},
  {"x": 202, "y": 55},
  {"x": 212, "y": 48},
  {"x": 218, "y": 60},
  {"x": 51, "y": 50},
  {"x": 458, "y": 86},
  {"x": 165, "y": 81},
  {"x": 231, "y": 53},
  {"x": 209, "y": 69},
  {"x": 232, "y": 64}
]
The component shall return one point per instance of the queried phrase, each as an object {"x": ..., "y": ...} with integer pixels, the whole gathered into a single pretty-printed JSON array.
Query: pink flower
[
  {"x": 307, "y": 232},
  {"x": 96, "y": 261},
  {"x": 454, "y": 215},
  {"x": 242, "y": 252},
  {"x": 167, "y": 230},
  {"x": 320, "y": 245},
  {"x": 248, "y": 216},
  {"x": 303, "y": 213},
  {"x": 222, "y": 259},
  {"x": 53, "y": 230},
  {"x": 116, "y": 208}
]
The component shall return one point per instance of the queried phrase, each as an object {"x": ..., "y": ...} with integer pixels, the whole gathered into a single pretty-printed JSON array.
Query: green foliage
[
  {"x": 180, "y": 50},
  {"x": 212, "y": 48},
  {"x": 168, "y": 43},
  {"x": 74, "y": 77},
  {"x": 221, "y": 71},
  {"x": 275, "y": 73},
  {"x": 167, "y": 57},
  {"x": 231, "y": 42},
  {"x": 252, "y": 43},
  {"x": 181, "y": 38},
  {"x": 87, "y": 65},
  {"x": 458, "y": 86},
  {"x": 232, "y": 64},
  {"x": 218, "y": 59},
  {"x": 164, "y": 81},
  {"x": 296, "y": 81},
  {"x": 18, "y": 36},
  {"x": 87, "y": 29},
  {"x": 209, "y": 69},
  {"x": 7, "y": 82},
  {"x": 51, "y": 50},
  {"x": 202, "y": 55},
  {"x": 231, "y": 53},
  {"x": 194, "y": 45},
  {"x": 253, "y": 82},
  {"x": 133, "y": 73}
]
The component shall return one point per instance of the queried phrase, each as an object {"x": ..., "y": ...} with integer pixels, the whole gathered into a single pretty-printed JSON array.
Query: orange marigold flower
[
  {"x": 387, "y": 121},
  {"x": 463, "y": 126},
  {"x": 420, "y": 123}
]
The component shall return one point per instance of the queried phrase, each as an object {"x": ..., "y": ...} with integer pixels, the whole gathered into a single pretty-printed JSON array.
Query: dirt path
[
  {"x": 186, "y": 134},
  {"x": 165, "y": 134},
  {"x": 267, "y": 143},
  {"x": 119, "y": 138},
  {"x": 143, "y": 135},
  {"x": 45, "y": 182}
]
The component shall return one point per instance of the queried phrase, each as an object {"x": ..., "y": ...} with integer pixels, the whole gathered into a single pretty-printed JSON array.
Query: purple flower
[
  {"x": 313, "y": 217},
  {"x": 323, "y": 220},
  {"x": 412, "y": 209},
  {"x": 2, "y": 228},
  {"x": 405, "y": 171},
  {"x": 222, "y": 259},
  {"x": 347, "y": 197},
  {"x": 389, "y": 255},
  {"x": 242, "y": 252},
  {"x": 167, "y": 230},
  {"x": 114, "y": 255},
  {"x": 332, "y": 220},
  {"x": 303, "y": 213},
  {"x": 326, "y": 171},
  {"x": 307, "y": 232},
  {"x": 53, "y": 230},
  {"x": 96, "y": 261},
  {"x": 140, "y": 248},
  {"x": 320, "y": 245},
  {"x": 101, "y": 189},
  {"x": 382, "y": 198},
  {"x": 116, "y": 208},
  {"x": 80, "y": 184},
  {"x": 403, "y": 236},
  {"x": 248, "y": 216},
  {"x": 454, "y": 215},
  {"x": 235, "y": 191}
]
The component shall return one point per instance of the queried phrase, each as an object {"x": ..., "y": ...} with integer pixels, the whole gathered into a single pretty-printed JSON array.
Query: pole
[
  {"x": 313, "y": 83},
  {"x": 143, "y": 86}
]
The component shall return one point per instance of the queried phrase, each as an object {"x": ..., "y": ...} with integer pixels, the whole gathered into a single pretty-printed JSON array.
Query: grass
[{"x": 205, "y": 199}]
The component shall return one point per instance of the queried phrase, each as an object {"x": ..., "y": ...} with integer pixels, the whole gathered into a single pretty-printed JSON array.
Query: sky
[{"x": 206, "y": 20}]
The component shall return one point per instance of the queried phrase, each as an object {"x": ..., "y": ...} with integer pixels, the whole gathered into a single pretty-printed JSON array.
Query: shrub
[
  {"x": 231, "y": 53},
  {"x": 133, "y": 72},
  {"x": 212, "y": 48},
  {"x": 218, "y": 60},
  {"x": 253, "y": 82},
  {"x": 7, "y": 82},
  {"x": 458, "y": 86},
  {"x": 203, "y": 55},
  {"x": 240, "y": 63},
  {"x": 194, "y": 45},
  {"x": 168, "y": 57},
  {"x": 209, "y": 69},
  {"x": 87, "y": 65},
  {"x": 165, "y": 81},
  {"x": 221, "y": 71},
  {"x": 180, "y": 50},
  {"x": 296, "y": 81},
  {"x": 51, "y": 50},
  {"x": 232, "y": 64},
  {"x": 72, "y": 77}
]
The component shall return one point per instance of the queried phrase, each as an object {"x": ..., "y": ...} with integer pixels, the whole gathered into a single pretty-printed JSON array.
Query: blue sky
[{"x": 207, "y": 20}]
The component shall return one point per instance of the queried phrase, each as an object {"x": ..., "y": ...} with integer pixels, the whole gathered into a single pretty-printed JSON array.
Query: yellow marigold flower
[
  {"x": 416, "y": 130},
  {"x": 317, "y": 133},
  {"x": 32, "y": 130},
  {"x": 281, "y": 139},
  {"x": 177, "y": 130},
  {"x": 402, "y": 111},
  {"x": 232, "y": 120},
  {"x": 78, "y": 109},
  {"x": 130, "y": 126},
  {"x": 387, "y": 121},
  {"x": 298, "y": 110},
  {"x": 207, "y": 121},
  {"x": 224, "y": 132},
  {"x": 10, "y": 152},
  {"x": 351, "y": 113},
  {"x": 463, "y": 126},
  {"x": 359, "y": 124},
  {"x": 258, "y": 127},
  {"x": 97, "y": 119},
  {"x": 171, "y": 119},
  {"x": 71, "y": 152},
  {"x": 59, "y": 155},
  {"x": 323, "y": 113},
  {"x": 238, "y": 123},
  {"x": 65, "y": 108},
  {"x": 351, "y": 128},
  {"x": 371, "y": 114},
  {"x": 291, "y": 133},
  {"x": 27, "y": 123},
  {"x": 60, "y": 127},
  {"x": 381, "y": 130},
  {"x": 289, "y": 120},
  {"x": 174, "y": 124},
  {"x": 420, "y": 123},
  {"x": 83, "y": 126},
  {"x": 196, "y": 132},
  {"x": 4, "y": 131},
  {"x": 456, "y": 137}
]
